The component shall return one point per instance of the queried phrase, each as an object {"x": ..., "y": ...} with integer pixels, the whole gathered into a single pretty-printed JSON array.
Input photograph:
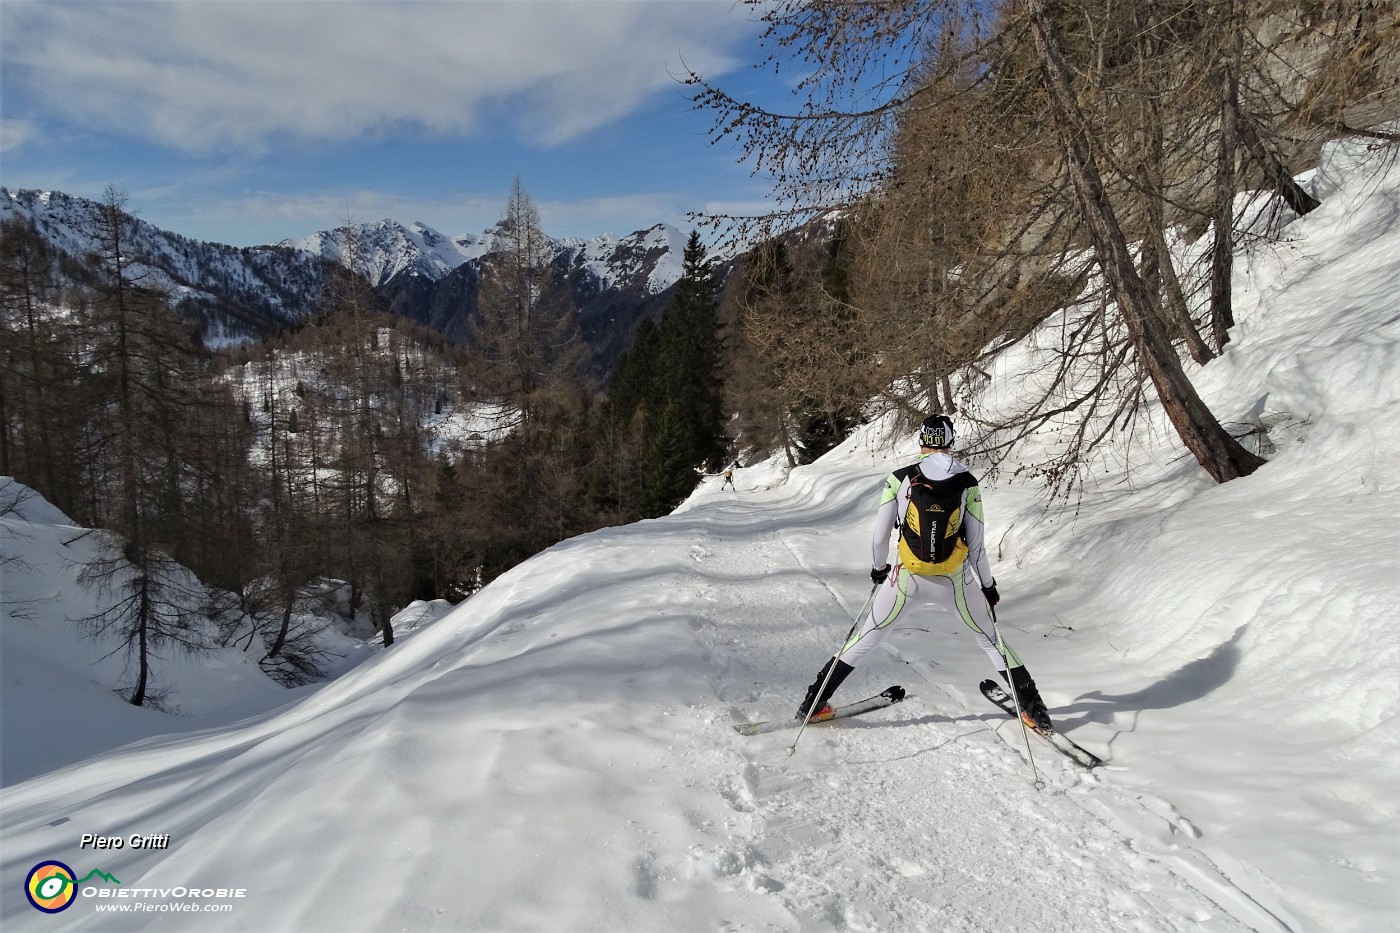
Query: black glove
[
  {"x": 993, "y": 597},
  {"x": 880, "y": 574}
]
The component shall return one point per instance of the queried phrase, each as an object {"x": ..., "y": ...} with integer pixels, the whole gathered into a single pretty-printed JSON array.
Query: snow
[
  {"x": 459, "y": 426},
  {"x": 69, "y": 223},
  {"x": 390, "y": 249},
  {"x": 614, "y": 262},
  {"x": 652, "y": 258},
  {"x": 54, "y": 679},
  {"x": 556, "y": 753}
]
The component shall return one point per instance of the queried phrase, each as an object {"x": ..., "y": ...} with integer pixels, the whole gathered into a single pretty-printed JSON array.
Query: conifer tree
[
  {"x": 633, "y": 383},
  {"x": 669, "y": 461},
  {"x": 690, "y": 373},
  {"x": 1068, "y": 75},
  {"x": 40, "y": 404},
  {"x": 832, "y": 375},
  {"x": 667, "y": 393},
  {"x": 767, "y": 315},
  {"x": 143, "y": 366},
  {"x": 524, "y": 340}
]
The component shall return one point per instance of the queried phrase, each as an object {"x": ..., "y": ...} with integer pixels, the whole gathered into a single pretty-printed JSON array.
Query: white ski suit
[{"x": 949, "y": 583}]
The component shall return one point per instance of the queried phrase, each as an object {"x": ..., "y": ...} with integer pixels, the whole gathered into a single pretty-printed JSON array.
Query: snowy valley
[{"x": 556, "y": 753}]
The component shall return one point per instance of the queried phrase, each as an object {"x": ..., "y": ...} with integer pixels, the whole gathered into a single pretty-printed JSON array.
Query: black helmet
[{"x": 937, "y": 431}]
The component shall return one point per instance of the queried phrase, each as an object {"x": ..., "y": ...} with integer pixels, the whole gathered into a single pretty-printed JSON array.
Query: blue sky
[{"x": 252, "y": 121}]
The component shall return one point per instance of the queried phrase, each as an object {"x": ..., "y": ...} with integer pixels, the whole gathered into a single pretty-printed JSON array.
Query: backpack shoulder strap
[
  {"x": 893, "y": 484},
  {"x": 908, "y": 472}
]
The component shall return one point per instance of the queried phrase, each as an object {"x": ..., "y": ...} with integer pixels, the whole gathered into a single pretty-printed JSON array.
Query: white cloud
[
  {"x": 463, "y": 212},
  {"x": 618, "y": 214},
  {"x": 15, "y": 133},
  {"x": 304, "y": 214},
  {"x": 232, "y": 76}
]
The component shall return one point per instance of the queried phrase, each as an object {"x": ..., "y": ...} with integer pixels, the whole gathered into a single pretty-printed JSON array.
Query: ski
[
  {"x": 888, "y": 697},
  {"x": 994, "y": 692}
]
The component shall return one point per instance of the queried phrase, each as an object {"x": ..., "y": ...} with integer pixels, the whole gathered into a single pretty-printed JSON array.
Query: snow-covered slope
[
  {"x": 555, "y": 754},
  {"x": 651, "y": 256},
  {"x": 59, "y": 689},
  {"x": 389, "y": 249}
]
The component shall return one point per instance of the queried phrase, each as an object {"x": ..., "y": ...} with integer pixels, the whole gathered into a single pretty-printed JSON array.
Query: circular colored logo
[{"x": 51, "y": 887}]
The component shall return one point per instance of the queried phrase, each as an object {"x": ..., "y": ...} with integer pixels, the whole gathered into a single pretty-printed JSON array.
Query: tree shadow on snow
[{"x": 1186, "y": 684}]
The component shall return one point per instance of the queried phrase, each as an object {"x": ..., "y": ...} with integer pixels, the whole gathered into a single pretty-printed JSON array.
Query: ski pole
[
  {"x": 1016, "y": 700},
  {"x": 831, "y": 669}
]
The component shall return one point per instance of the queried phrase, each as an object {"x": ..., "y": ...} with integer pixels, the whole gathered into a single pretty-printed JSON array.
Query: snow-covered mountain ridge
[
  {"x": 235, "y": 293},
  {"x": 652, "y": 255},
  {"x": 243, "y": 293},
  {"x": 389, "y": 249}
]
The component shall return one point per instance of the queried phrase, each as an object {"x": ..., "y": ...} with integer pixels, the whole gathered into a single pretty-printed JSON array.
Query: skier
[
  {"x": 938, "y": 507},
  {"x": 728, "y": 480}
]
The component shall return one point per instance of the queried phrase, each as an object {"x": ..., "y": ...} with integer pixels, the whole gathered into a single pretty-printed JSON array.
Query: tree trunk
[
  {"x": 950, "y": 405},
  {"x": 1279, "y": 177},
  {"x": 1222, "y": 261},
  {"x": 288, "y": 602},
  {"x": 143, "y": 647},
  {"x": 1219, "y": 453},
  {"x": 1158, "y": 267},
  {"x": 384, "y": 619},
  {"x": 5, "y": 468},
  {"x": 1173, "y": 301},
  {"x": 786, "y": 438}
]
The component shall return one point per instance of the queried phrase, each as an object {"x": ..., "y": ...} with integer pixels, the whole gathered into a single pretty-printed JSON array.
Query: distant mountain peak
[
  {"x": 654, "y": 253},
  {"x": 237, "y": 294},
  {"x": 390, "y": 249}
]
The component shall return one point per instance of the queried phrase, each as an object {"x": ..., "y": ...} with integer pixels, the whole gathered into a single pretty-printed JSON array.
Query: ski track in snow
[{"x": 920, "y": 817}]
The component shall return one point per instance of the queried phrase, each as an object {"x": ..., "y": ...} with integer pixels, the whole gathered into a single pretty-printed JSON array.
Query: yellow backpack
[{"x": 931, "y": 541}]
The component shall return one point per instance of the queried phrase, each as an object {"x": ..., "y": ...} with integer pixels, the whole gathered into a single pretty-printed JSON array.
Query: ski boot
[
  {"x": 1033, "y": 709},
  {"x": 822, "y": 710}
]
